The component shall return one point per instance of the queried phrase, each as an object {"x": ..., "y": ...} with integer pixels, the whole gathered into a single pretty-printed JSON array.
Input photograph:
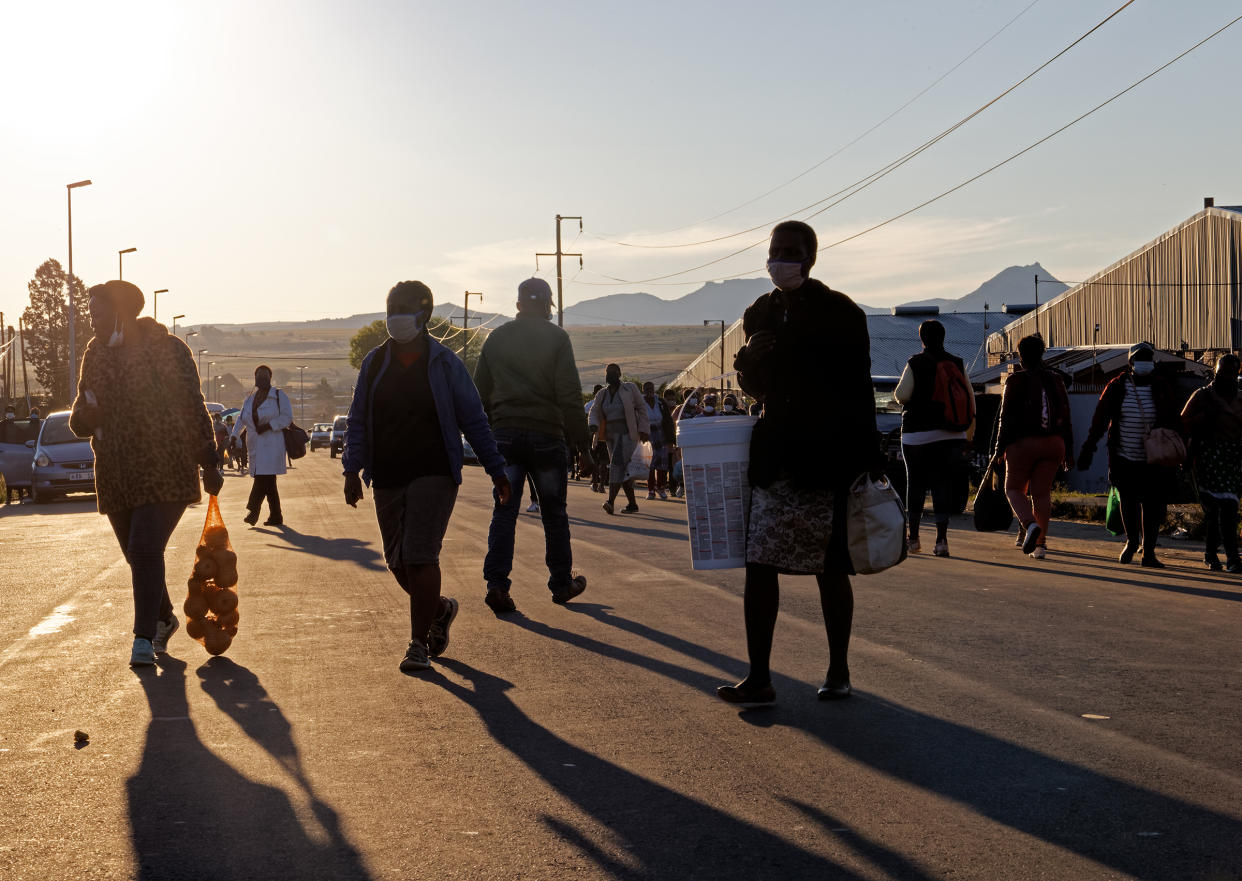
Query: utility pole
[
  {"x": 73, "y": 318},
  {"x": 155, "y": 303},
  {"x": 465, "y": 317},
  {"x": 302, "y": 390},
  {"x": 21, "y": 341},
  {"x": 1037, "y": 305},
  {"x": 560, "y": 308}
]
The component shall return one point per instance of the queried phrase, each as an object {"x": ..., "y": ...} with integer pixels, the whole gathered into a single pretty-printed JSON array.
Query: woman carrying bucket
[{"x": 804, "y": 342}]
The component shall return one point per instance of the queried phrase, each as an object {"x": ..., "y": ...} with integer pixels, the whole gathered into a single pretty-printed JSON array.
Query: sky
[{"x": 280, "y": 160}]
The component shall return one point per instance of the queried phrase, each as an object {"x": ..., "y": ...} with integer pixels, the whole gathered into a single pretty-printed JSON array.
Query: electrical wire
[
  {"x": 842, "y": 149},
  {"x": 947, "y": 192},
  {"x": 864, "y": 182}
]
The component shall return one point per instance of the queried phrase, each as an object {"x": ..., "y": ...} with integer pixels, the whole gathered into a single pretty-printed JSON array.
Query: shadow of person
[
  {"x": 194, "y": 816},
  {"x": 668, "y": 834},
  {"x": 352, "y": 550},
  {"x": 1142, "y": 832}
]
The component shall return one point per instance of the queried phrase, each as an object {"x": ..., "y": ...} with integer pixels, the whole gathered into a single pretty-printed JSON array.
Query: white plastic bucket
[{"x": 715, "y": 453}]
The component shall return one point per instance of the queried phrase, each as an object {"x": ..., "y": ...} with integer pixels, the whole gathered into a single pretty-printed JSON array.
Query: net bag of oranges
[{"x": 211, "y": 605}]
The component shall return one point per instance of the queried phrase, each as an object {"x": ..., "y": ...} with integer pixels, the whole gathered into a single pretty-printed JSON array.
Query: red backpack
[{"x": 952, "y": 392}]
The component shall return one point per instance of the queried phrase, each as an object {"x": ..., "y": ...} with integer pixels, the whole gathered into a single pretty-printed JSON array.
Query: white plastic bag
[
  {"x": 640, "y": 462},
  {"x": 875, "y": 525}
]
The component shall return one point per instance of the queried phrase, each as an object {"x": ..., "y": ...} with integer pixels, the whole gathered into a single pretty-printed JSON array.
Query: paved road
[{"x": 1070, "y": 719}]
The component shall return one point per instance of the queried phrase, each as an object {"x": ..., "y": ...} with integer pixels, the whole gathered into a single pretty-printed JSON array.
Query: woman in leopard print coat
[{"x": 139, "y": 402}]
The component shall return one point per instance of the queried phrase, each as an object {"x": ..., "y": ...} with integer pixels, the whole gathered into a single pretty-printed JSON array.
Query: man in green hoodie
[{"x": 529, "y": 383}]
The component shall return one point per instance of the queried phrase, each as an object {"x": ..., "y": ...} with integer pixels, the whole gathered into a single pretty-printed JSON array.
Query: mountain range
[{"x": 713, "y": 302}]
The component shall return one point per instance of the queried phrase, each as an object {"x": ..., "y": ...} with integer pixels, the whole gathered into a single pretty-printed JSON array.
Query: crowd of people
[{"x": 523, "y": 413}]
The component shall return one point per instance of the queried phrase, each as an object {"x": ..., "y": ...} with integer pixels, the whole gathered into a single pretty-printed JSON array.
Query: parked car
[
  {"x": 17, "y": 443},
  {"x": 63, "y": 462},
  {"x": 321, "y": 435},
  {"x": 336, "y": 442}
]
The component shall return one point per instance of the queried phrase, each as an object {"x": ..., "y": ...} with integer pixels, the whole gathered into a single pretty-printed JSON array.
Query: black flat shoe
[
  {"x": 251, "y": 519},
  {"x": 1151, "y": 563},
  {"x": 274, "y": 521},
  {"x": 1214, "y": 565},
  {"x": 1127, "y": 555},
  {"x": 747, "y": 695},
  {"x": 830, "y": 692}
]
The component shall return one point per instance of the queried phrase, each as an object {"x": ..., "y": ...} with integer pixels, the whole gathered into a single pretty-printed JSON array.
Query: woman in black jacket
[
  {"x": 804, "y": 342},
  {"x": 1130, "y": 406}
]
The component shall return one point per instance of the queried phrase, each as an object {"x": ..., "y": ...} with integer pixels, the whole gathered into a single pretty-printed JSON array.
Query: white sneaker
[
  {"x": 1039, "y": 553},
  {"x": 163, "y": 630},
  {"x": 532, "y": 508},
  {"x": 142, "y": 655},
  {"x": 941, "y": 549}
]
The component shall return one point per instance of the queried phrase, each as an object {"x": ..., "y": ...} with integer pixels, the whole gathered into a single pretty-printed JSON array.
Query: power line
[
  {"x": 863, "y": 183},
  {"x": 949, "y": 191},
  {"x": 851, "y": 143}
]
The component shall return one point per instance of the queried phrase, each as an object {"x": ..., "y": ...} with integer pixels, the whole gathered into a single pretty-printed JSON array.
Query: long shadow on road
[
  {"x": 663, "y": 833},
  {"x": 1147, "y": 834},
  {"x": 194, "y": 816},
  {"x": 353, "y": 550}
]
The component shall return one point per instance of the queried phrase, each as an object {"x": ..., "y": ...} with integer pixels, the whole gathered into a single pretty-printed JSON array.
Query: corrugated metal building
[{"x": 1181, "y": 292}]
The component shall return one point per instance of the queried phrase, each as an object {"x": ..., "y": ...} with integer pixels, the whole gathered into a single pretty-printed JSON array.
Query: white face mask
[
  {"x": 785, "y": 275},
  {"x": 728, "y": 408},
  {"x": 693, "y": 402},
  {"x": 1143, "y": 368},
  {"x": 118, "y": 336},
  {"x": 404, "y": 328}
]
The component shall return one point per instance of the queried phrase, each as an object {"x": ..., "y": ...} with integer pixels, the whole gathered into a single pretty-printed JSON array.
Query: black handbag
[
  {"x": 296, "y": 440},
  {"x": 992, "y": 511}
]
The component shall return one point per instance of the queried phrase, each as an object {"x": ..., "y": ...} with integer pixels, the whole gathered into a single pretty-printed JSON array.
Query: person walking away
[
  {"x": 804, "y": 341},
  {"x": 222, "y": 438},
  {"x": 599, "y": 451},
  {"x": 141, "y": 404},
  {"x": 412, "y": 402},
  {"x": 937, "y": 418},
  {"x": 1213, "y": 421},
  {"x": 663, "y": 433},
  {"x": 672, "y": 403},
  {"x": 1036, "y": 440},
  {"x": 620, "y": 416},
  {"x": 1131, "y": 405},
  {"x": 264, "y": 417},
  {"x": 528, "y": 380}
]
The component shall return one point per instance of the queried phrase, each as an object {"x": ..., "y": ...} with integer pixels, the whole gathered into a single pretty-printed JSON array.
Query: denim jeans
[
  {"x": 143, "y": 533},
  {"x": 545, "y": 458}
]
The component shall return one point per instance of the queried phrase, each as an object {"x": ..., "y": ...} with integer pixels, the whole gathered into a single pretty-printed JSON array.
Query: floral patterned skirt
[{"x": 790, "y": 528}]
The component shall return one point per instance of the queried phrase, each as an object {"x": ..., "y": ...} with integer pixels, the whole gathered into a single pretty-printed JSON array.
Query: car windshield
[
  {"x": 339, "y": 425},
  {"x": 56, "y": 431}
]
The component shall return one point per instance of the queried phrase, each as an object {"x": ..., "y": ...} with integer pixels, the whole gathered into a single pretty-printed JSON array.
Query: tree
[
  {"x": 47, "y": 329},
  {"x": 324, "y": 401},
  {"x": 367, "y": 338}
]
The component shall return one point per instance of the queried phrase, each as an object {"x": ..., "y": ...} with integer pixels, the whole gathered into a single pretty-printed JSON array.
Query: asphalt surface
[{"x": 1012, "y": 719}]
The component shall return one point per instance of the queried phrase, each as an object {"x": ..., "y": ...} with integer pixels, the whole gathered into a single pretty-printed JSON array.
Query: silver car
[
  {"x": 63, "y": 462},
  {"x": 17, "y": 442}
]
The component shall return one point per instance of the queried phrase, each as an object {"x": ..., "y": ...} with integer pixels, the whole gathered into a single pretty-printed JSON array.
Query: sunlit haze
[{"x": 286, "y": 161}]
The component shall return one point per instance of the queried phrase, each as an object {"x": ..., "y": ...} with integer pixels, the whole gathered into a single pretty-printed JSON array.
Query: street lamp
[
  {"x": 175, "y": 317},
  {"x": 155, "y": 304},
  {"x": 120, "y": 265},
  {"x": 706, "y": 322},
  {"x": 73, "y": 345},
  {"x": 207, "y": 379},
  {"x": 188, "y": 334},
  {"x": 302, "y": 390},
  {"x": 201, "y": 353}
]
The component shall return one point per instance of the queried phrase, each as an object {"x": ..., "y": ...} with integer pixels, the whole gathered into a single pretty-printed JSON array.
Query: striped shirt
[{"x": 1138, "y": 415}]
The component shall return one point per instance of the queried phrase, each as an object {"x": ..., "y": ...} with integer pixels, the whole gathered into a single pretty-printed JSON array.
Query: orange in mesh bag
[{"x": 211, "y": 604}]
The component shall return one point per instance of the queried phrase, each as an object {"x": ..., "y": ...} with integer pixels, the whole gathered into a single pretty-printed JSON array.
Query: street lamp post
[
  {"x": 302, "y": 391},
  {"x": 207, "y": 378},
  {"x": 175, "y": 317},
  {"x": 120, "y": 265},
  {"x": 155, "y": 303},
  {"x": 706, "y": 322},
  {"x": 73, "y": 344},
  {"x": 201, "y": 353}
]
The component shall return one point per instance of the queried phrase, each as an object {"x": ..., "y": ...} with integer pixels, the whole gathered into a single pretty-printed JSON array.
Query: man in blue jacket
[{"x": 413, "y": 400}]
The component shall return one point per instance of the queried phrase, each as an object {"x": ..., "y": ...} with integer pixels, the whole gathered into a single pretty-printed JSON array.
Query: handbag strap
[{"x": 1138, "y": 399}]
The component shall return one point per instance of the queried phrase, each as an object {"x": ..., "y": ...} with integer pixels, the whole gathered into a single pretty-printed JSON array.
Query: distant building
[{"x": 1181, "y": 292}]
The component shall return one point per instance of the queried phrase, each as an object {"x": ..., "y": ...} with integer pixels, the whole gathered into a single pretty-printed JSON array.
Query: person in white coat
[{"x": 264, "y": 416}]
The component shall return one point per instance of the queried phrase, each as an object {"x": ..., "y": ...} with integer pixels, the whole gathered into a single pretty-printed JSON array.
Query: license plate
[{"x": 82, "y": 475}]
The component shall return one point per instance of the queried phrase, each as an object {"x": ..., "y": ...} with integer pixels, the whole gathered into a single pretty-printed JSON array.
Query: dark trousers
[
  {"x": 1143, "y": 491},
  {"x": 1220, "y": 522},
  {"x": 930, "y": 466},
  {"x": 143, "y": 533},
  {"x": 264, "y": 486},
  {"x": 544, "y": 458}
]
